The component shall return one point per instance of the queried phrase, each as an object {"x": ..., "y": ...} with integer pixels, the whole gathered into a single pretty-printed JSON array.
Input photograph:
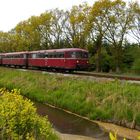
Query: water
[{"x": 71, "y": 124}]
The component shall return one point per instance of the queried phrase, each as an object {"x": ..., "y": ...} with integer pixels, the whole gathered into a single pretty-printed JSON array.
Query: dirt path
[
  {"x": 73, "y": 137},
  {"x": 121, "y": 131}
]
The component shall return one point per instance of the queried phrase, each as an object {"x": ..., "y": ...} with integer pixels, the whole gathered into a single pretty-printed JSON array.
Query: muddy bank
[
  {"x": 73, "y": 137},
  {"x": 121, "y": 131}
]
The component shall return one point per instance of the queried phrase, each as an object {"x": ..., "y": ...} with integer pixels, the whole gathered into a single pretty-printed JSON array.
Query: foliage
[
  {"x": 114, "y": 136},
  {"x": 136, "y": 66},
  {"x": 19, "y": 120}
]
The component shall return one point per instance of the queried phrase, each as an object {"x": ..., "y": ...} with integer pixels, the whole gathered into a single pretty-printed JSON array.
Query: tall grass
[{"x": 116, "y": 101}]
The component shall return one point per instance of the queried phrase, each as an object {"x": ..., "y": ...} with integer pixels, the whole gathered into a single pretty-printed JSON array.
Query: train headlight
[{"x": 77, "y": 61}]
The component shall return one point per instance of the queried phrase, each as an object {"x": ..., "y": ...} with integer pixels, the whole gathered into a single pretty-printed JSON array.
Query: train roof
[
  {"x": 45, "y": 51},
  {"x": 14, "y": 53},
  {"x": 59, "y": 50}
]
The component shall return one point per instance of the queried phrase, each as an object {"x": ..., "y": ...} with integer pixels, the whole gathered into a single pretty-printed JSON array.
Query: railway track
[
  {"x": 89, "y": 74},
  {"x": 102, "y": 75}
]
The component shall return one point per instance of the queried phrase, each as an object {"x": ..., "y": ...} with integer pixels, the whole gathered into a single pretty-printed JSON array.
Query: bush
[
  {"x": 19, "y": 120},
  {"x": 136, "y": 66}
]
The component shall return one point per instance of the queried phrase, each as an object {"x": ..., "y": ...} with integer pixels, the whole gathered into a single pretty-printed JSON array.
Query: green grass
[{"x": 108, "y": 101}]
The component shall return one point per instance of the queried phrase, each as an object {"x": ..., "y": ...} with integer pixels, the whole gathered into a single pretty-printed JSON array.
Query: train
[{"x": 66, "y": 59}]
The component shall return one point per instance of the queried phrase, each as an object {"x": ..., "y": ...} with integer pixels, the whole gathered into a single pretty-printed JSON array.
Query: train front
[{"x": 78, "y": 59}]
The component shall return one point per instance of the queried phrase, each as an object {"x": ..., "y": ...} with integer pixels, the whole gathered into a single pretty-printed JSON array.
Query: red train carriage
[
  {"x": 1, "y": 59},
  {"x": 68, "y": 59},
  {"x": 36, "y": 58},
  {"x": 15, "y": 59}
]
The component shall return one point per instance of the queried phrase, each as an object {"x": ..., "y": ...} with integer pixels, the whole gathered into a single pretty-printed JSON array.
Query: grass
[{"x": 116, "y": 101}]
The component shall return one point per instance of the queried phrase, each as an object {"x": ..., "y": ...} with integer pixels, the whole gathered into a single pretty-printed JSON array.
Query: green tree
[
  {"x": 75, "y": 26},
  {"x": 135, "y": 30},
  {"x": 45, "y": 30},
  {"x": 29, "y": 31},
  {"x": 97, "y": 27},
  {"x": 119, "y": 22},
  {"x": 57, "y": 28},
  {"x": 8, "y": 42}
]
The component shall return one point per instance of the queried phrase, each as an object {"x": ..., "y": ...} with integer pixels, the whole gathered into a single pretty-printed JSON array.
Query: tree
[
  {"x": 119, "y": 21},
  {"x": 97, "y": 27},
  {"x": 45, "y": 30},
  {"x": 135, "y": 30},
  {"x": 57, "y": 28},
  {"x": 29, "y": 31},
  {"x": 8, "y": 42},
  {"x": 75, "y": 26}
]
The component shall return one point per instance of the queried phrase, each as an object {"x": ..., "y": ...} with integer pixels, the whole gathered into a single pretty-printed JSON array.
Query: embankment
[{"x": 116, "y": 102}]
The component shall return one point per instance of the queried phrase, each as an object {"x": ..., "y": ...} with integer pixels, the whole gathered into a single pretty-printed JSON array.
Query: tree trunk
[
  {"x": 118, "y": 59},
  {"x": 98, "y": 59},
  {"x": 98, "y": 53}
]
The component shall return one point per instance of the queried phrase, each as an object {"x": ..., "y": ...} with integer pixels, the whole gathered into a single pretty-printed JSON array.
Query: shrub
[
  {"x": 19, "y": 120},
  {"x": 136, "y": 66}
]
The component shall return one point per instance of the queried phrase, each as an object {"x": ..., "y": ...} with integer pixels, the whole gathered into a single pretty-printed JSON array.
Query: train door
[
  {"x": 46, "y": 59},
  {"x": 62, "y": 59},
  {"x": 26, "y": 60},
  {"x": 0, "y": 60}
]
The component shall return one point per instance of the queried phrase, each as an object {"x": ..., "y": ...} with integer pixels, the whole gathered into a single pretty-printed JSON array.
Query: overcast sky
[{"x": 14, "y": 11}]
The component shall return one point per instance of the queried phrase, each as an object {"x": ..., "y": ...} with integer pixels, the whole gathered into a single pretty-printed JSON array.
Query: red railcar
[
  {"x": 15, "y": 59},
  {"x": 66, "y": 59},
  {"x": 1, "y": 59}
]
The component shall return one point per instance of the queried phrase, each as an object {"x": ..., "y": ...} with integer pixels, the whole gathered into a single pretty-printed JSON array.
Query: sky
[{"x": 14, "y": 11}]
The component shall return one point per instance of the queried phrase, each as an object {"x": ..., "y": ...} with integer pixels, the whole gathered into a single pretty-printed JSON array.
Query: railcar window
[
  {"x": 73, "y": 54},
  {"x": 9, "y": 56},
  {"x": 85, "y": 55},
  {"x": 16, "y": 56},
  {"x": 78, "y": 54},
  {"x": 50, "y": 55},
  {"x": 33, "y": 55},
  {"x": 29, "y": 56},
  {"x": 54, "y": 55},
  {"x": 24, "y": 55},
  {"x": 46, "y": 55},
  {"x": 61, "y": 55},
  {"x": 21, "y": 56},
  {"x": 40, "y": 55}
]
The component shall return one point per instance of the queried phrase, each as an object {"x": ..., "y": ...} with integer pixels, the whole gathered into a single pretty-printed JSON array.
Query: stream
[{"x": 67, "y": 123}]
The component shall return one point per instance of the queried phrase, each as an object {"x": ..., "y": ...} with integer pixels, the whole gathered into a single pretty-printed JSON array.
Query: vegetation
[
  {"x": 107, "y": 29},
  {"x": 116, "y": 101},
  {"x": 19, "y": 120},
  {"x": 114, "y": 136}
]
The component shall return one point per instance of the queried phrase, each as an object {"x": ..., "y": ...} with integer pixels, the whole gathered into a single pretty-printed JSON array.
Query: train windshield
[{"x": 79, "y": 54}]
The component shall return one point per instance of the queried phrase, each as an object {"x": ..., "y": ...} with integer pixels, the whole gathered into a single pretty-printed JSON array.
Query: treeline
[{"x": 107, "y": 29}]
